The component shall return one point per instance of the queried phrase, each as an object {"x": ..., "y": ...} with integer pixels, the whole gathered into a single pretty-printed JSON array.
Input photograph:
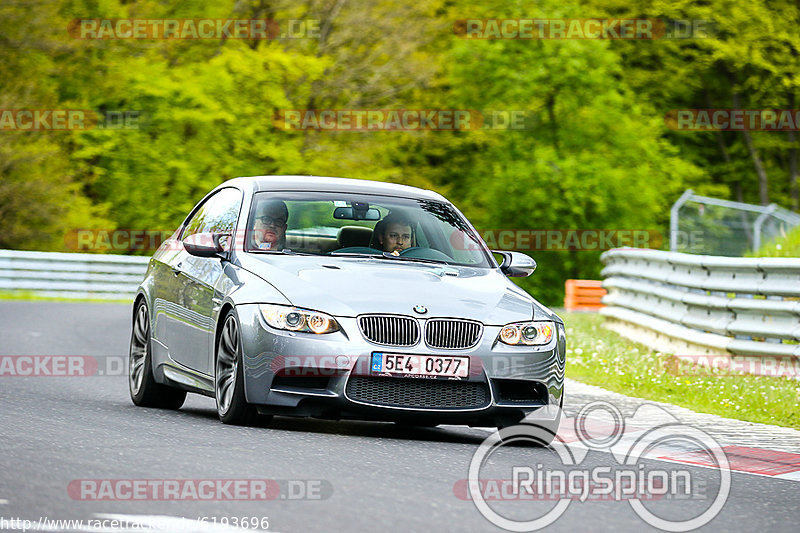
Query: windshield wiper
[
  {"x": 285, "y": 251},
  {"x": 389, "y": 255},
  {"x": 356, "y": 254}
]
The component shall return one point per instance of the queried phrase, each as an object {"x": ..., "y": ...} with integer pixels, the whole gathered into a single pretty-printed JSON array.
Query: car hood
[{"x": 353, "y": 286}]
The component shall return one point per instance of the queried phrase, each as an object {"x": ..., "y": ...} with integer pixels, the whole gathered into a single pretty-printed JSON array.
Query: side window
[{"x": 217, "y": 215}]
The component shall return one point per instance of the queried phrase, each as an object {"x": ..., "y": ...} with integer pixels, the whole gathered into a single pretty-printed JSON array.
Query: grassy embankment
[{"x": 601, "y": 357}]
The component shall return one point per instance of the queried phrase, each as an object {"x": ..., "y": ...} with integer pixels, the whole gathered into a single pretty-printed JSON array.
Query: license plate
[{"x": 408, "y": 365}]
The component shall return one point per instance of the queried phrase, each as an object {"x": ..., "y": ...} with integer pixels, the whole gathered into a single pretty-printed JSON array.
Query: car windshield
[{"x": 334, "y": 224}]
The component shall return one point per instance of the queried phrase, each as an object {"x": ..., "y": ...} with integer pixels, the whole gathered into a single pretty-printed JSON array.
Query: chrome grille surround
[
  {"x": 452, "y": 333},
  {"x": 390, "y": 330}
]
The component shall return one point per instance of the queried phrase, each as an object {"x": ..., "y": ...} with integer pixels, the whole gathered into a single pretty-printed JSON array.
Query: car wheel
[
  {"x": 145, "y": 392},
  {"x": 232, "y": 406}
]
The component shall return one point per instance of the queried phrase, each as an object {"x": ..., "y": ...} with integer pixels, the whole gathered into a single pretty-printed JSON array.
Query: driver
[
  {"x": 394, "y": 233},
  {"x": 269, "y": 228}
]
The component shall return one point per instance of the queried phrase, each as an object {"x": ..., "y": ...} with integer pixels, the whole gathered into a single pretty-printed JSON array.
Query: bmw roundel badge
[{"x": 421, "y": 309}]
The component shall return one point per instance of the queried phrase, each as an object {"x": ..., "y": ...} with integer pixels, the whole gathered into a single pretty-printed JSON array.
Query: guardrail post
[{"x": 673, "y": 219}]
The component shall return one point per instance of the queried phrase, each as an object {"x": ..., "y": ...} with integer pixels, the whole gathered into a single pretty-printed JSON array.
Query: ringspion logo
[{"x": 565, "y": 476}]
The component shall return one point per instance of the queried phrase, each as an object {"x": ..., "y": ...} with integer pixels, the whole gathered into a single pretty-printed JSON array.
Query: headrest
[{"x": 354, "y": 236}]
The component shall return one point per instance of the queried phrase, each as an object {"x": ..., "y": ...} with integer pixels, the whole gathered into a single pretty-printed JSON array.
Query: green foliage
[{"x": 595, "y": 154}]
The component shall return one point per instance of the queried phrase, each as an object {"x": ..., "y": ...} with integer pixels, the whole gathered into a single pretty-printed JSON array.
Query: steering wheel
[
  {"x": 425, "y": 253},
  {"x": 410, "y": 251}
]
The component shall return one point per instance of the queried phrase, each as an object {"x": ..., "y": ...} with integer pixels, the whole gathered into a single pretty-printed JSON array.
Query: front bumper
[{"x": 301, "y": 374}]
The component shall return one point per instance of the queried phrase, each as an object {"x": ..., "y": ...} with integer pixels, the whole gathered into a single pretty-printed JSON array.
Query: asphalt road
[{"x": 361, "y": 476}]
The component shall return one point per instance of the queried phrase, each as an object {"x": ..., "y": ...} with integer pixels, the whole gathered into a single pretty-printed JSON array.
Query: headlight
[
  {"x": 294, "y": 319},
  {"x": 527, "y": 333}
]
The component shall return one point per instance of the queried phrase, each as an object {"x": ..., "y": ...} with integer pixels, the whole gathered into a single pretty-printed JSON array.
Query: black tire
[
  {"x": 145, "y": 392},
  {"x": 232, "y": 406}
]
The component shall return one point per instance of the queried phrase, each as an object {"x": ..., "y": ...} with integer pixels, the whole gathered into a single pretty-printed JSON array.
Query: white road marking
[{"x": 3, "y": 502}]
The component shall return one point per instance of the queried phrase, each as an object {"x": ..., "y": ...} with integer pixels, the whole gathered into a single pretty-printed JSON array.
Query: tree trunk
[
  {"x": 737, "y": 184},
  {"x": 551, "y": 114},
  {"x": 763, "y": 182},
  {"x": 793, "y": 161}
]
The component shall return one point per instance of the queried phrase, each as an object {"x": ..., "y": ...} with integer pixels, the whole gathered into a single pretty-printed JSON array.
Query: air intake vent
[
  {"x": 452, "y": 334},
  {"x": 390, "y": 330},
  {"x": 418, "y": 393}
]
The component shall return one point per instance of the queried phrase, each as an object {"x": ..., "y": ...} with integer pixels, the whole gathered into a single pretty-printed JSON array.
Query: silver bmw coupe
[{"x": 342, "y": 298}]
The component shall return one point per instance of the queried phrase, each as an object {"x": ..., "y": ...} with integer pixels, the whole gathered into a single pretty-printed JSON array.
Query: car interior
[{"x": 315, "y": 228}]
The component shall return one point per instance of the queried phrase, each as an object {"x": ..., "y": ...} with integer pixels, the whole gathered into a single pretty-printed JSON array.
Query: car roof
[{"x": 327, "y": 184}]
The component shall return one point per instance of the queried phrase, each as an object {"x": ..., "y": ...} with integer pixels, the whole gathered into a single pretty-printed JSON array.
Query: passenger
[
  {"x": 394, "y": 233},
  {"x": 269, "y": 227}
]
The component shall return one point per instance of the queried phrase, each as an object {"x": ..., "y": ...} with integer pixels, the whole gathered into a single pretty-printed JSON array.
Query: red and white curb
[
  {"x": 755, "y": 449},
  {"x": 776, "y": 464}
]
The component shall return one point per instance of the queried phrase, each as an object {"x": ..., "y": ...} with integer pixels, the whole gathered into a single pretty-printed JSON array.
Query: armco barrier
[
  {"x": 108, "y": 277},
  {"x": 583, "y": 295},
  {"x": 704, "y": 305}
]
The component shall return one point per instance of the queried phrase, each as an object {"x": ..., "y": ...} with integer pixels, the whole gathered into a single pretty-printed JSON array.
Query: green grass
[
  {"x": 601, "y": 357},
  {"x": 31, "y": 296},
  {"x": 786, "y": 246}
]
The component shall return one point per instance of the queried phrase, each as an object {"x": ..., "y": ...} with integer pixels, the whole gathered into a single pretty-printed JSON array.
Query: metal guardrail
[
  {"x": 68, "y": 275},
  {"x": 704, "y": 305}
]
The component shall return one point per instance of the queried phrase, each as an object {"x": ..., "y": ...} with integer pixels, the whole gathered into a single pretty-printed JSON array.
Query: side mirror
[
  {"x": 516, "y": 264},
  {"x": 207, "y": 244}
]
